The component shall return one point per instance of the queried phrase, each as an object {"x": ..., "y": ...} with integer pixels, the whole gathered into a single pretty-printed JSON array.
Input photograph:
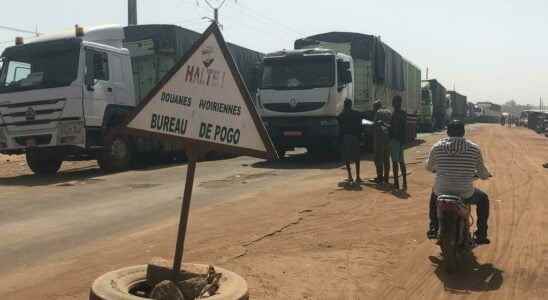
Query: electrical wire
[
  {"x": 19, "y": 30},
  {"x": 268, "y": 19},
  {"x": 236, "y": 21}
]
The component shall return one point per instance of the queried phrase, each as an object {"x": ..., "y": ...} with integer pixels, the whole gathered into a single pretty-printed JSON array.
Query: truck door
[
  {"x": 119, "y": 82},
  {"x": 98, "y": 90}
]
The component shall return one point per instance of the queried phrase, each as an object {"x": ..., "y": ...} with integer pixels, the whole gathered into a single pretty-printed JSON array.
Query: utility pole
[
  {"x": 215, "y": 12},
  {"x": 132, "y": 12},
  {"x": 427, "y": 73}
]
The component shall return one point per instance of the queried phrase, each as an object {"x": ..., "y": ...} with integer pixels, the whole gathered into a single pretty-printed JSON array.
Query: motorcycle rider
[{"x": 457, "y": 162}]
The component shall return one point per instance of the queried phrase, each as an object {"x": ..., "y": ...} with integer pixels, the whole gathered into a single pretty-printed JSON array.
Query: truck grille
[
  {"x": 299, "y": 107},
  {"x": 43, "y": 139},
  {"x": 33, "y": 112}
]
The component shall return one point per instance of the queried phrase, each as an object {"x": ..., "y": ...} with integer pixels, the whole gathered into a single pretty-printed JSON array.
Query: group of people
[
  {"x": 456, "y": 161},
  {"x": 389, "y": 138}
]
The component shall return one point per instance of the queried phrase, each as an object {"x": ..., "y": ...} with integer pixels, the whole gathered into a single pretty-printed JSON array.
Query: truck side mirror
[
  {"x": 346, "y": 65},
  {"x": 347, "y": 76},
  {"x": 89, "y": 81}
]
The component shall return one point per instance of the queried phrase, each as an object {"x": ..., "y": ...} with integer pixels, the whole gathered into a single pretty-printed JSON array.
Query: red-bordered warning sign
[{"x": 204, "y": 102}]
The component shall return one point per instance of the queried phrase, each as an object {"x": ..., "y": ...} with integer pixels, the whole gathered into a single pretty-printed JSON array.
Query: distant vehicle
[
  {"x": 489, "y": 112},
  {"x": 61, "y": 96},
  {"x": 473, "y": 112},
  {"x": 534, "y": 119},
  {"x": 303, "y": 90},
  {"x": 425, "y": 120},
  {"x": 431, "y": 114},
  {"x": 448, "y": 108},
  {"x": 458, "y": 105},
  {"x": 523, "y": 119}
]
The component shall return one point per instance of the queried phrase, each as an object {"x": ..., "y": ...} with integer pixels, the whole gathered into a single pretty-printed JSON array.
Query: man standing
[
  {"x": 398, "y": 138},
  {"x": 381, "y": 140},
  {"x": 350, "y": 130}
]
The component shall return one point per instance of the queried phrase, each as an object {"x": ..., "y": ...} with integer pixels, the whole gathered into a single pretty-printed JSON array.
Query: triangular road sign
[{"x": 203, "y": 101}]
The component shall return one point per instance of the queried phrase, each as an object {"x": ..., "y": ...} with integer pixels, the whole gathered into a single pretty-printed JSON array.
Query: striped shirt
[{"x": 457, "y": 162}]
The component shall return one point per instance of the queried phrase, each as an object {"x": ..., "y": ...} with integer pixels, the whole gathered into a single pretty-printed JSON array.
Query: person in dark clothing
[
  {"x": 350, "y": 130},
  {"x": 382, "y": 118},
  {"x": 398, "y": 138}
]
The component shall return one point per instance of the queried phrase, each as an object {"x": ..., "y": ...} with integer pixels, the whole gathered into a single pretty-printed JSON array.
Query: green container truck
[
  {"x": 380, "y": 72},
  {"x": 154, "y": 49},
  {"x": 458, "y": 105},
  {"x": 432, "y": 111}
]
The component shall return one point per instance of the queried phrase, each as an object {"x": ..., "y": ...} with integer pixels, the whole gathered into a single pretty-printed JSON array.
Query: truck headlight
[{"x": 71, "y": 132}]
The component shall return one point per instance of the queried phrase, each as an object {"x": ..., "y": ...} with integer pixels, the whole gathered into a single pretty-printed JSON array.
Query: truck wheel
[
  {"x": 116, "y": 155},
  {"x": 41, "y": 163},
  {"x": 122, "y": 284}
]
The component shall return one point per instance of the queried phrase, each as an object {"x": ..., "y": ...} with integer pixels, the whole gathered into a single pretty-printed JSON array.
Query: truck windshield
[
  {"x": 298, "y": 73},
  {"x": 39, "y": 65}
]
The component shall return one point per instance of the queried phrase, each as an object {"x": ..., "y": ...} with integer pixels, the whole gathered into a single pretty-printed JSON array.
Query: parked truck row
[{"x": 63, "y": 96}]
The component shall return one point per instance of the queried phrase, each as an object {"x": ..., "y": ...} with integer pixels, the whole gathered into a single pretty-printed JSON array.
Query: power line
[
  {"x": 19, "y": 30},
  {"x": 267, "y": 25},
  {"x": 269, "y": 19},
  {"x": 258, "y": 29}
]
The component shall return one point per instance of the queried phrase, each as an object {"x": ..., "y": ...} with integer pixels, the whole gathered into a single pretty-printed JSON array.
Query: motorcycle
[{"x": 455, "y": 238}]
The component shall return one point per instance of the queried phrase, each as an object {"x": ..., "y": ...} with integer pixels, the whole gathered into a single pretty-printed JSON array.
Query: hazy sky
[{"x": 492, "y": 50}]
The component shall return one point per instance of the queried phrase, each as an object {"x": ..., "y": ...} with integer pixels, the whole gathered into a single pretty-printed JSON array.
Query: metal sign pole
[{"x": 183, "y": 221}]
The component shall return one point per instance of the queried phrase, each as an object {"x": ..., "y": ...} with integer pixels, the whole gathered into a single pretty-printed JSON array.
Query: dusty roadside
[
  {"x": 310, "y": 239},
  {"x": 16, "y": 166}
]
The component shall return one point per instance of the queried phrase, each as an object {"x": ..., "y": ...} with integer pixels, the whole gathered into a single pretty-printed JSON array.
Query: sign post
[
  {"x": 183, "y": 219},
  {"x": 204, "y": 103}
]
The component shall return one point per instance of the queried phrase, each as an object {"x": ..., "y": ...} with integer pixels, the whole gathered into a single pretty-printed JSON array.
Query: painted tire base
[{"x": 116, "y": 284}]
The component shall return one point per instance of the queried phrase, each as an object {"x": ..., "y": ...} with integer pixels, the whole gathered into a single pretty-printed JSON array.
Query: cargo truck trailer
[{"x": 303, "y": 90}]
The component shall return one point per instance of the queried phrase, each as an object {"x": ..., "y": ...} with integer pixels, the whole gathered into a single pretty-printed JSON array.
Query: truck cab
[
  {"x": 302, "y": 93},
  {"x": 59, "y": 94}
]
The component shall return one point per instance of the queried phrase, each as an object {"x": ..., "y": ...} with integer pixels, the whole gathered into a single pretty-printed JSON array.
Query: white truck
[
  {"x": 62, "y": 96},
  {"x": 303, "y": 90},
  {"x": 301, "y": 95}
]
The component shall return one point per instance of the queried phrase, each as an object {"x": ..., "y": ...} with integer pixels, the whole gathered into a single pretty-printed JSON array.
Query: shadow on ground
[
  {"x": 471, "y": 277},
  {"x": 415, "y": 143},
  {"x": 306, "y": 161},
  {"x": 87, "y": 174}
]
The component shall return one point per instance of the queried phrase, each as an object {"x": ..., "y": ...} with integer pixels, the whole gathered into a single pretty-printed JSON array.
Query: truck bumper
[
  {"x": 287, "y": 133},
  {"x": 16, "y": 142}
]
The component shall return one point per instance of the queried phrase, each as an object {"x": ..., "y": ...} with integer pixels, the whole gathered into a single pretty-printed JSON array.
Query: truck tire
[
  {"x": 117, "y": 154},
  {"x": 42, "y": 163},
  {"x": 116, "y": 285}
]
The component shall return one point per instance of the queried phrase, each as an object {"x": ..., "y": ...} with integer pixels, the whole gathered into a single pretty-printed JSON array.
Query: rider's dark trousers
[{"x": 479, "y": 198}]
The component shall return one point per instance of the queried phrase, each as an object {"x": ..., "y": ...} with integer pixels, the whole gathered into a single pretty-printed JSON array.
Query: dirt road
[{"x": 293, "y": 235}]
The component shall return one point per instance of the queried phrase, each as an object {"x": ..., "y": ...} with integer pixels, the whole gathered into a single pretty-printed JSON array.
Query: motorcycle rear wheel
[{"x": 448, "y": 242}]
